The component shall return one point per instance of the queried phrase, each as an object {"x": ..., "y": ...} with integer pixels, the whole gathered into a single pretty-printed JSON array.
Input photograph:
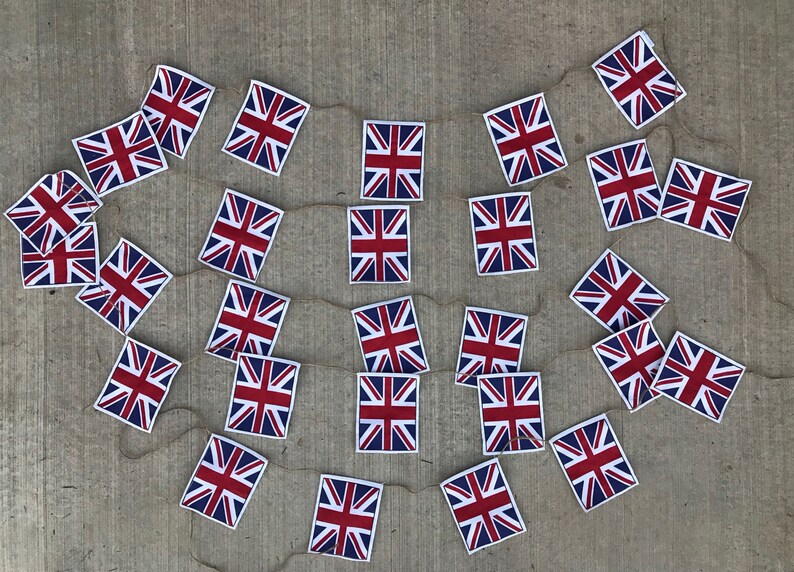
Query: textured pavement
[{"x": 81, "y": 491}]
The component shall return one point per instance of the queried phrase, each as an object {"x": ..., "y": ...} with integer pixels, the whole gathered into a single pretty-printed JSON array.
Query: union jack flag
[
  {"x": 73, "y": 262},
  {"x": 388, "y": 413},
  {"x": 511, "y": 413},
  {"x": 345, "y": 517},
  {"x": 54, "y": 207},
  {"x": 262, "y": 396},
  {"x": 625, "y": 184},
  {"x": 483, "y": 506},
  {"x": 616, "y": 295},
  {"x": 241, "y": 235},
  {"x": 224, "y": 481},
  {"x": 248, "y": 322},
  {"x": 503, "y": 233},
  {"x": 174, "y": 107},
  {"x": 525, "y": 140},
  {"x": 265, "y": 128},
  {"x": 389, "y": 337},
  {"x": 704, "y": 200},
  {"x": 491, "y": 342},
  {"x": 121, "y": 154},
  {"x": 698, "y": 377},
  {"x": 129, "y": 281},
  {"x": 637, "y": 80},
  {"x": 137, "y": 385},
  {"x": 593, "y": 462},
  {"x": 392, "y": 160},
  {"x": 380, "y": 249},
  {"x": 631, "y": 359}
]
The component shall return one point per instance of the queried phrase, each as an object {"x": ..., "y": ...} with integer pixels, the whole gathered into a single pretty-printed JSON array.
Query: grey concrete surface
[{"x": 81, "y": 491}]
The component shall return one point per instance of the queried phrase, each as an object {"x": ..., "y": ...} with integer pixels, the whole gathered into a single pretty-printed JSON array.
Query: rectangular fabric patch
[
  {"x": 265, "y": 128},
  {"x": 525, "y": 140},
  {"x": 174, "y": 107},
  {"x": 52, "y": 209},
  {"x": 616, "y": 295},
  {"x": 388, "y": 335},
  {"x": 345, "y": 517},
  {"x": 631, "y": 359},
  {"x": 129, "y": 281},
  {"x": 703, "y": 200},
  {"x": 137, "y": 385},
  {"x": 120, "y": 155},
  {"x": 262, "y": 396},
  {"x": 511, "y": 413},
  {"x": 379, "y": 244},
  {"x": 698, "y": 377},
  {"x": 241, "y": 236},
  {"x": 248, "y": 322},
  {"x": 503, "y": 234},
  {"x": 73, "y": 262},
  {"x": 224, "y": 481},
  {"x": 625, "y": 184},
  {"x": 637, "y": 81},
  {"x": 392, "y": 160},
  {"x": 387, "y": 419},
  {"x": 593, "y": 462},
  {"x": 491, "y": 342},
  {"x": 483, "y": 506}
]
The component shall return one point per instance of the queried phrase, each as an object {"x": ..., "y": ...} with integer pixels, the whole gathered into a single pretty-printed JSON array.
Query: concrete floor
[{"x": 83, "y": 492}]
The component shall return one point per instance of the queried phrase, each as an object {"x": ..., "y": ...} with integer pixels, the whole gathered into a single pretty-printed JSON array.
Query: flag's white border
[
  {"x": 215, "y": 221},
  {"x": 531, "y": 222},
  {"x": 135, "y": 180},
  {"x": 127, "y": 342},
  {"x": 595, "y": 184},
  {"x": 540, "y": 403},
  {"x": 23, "y": 238},
  {"x": 220, "y": 312},
  {"x": 358, "y": 412},
  {"x": 368, "y": 122},
  {"x": 350, "y": 241},
  {"x": 673, "y": 165},
  {"x": 240, "y": 113},
  {"x": 253, "y": 487},
  {"x": 297, "y": 367},
  {"x": 168, "y": 277},
  {"x": 649, "y": 44},
  {"x": 509, "y": 492},
  {"x": 468, "y": 309},
  {"x": 88, "y": 188},
  {"x": 670, "y": 346},
  {"x": 620, "y": 448},
  {"x": 190, "y": 77},
  {"x": 410, "y": 299},
  {"x": 496, "y": 145},
  {"x": 587, "y": 273},
  {"x": 378, "y": 486},
  {"x": 609, "y": 373}
]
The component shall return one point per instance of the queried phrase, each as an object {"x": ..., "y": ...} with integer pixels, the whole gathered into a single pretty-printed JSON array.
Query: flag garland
[{"x": 59, "y": 247}]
